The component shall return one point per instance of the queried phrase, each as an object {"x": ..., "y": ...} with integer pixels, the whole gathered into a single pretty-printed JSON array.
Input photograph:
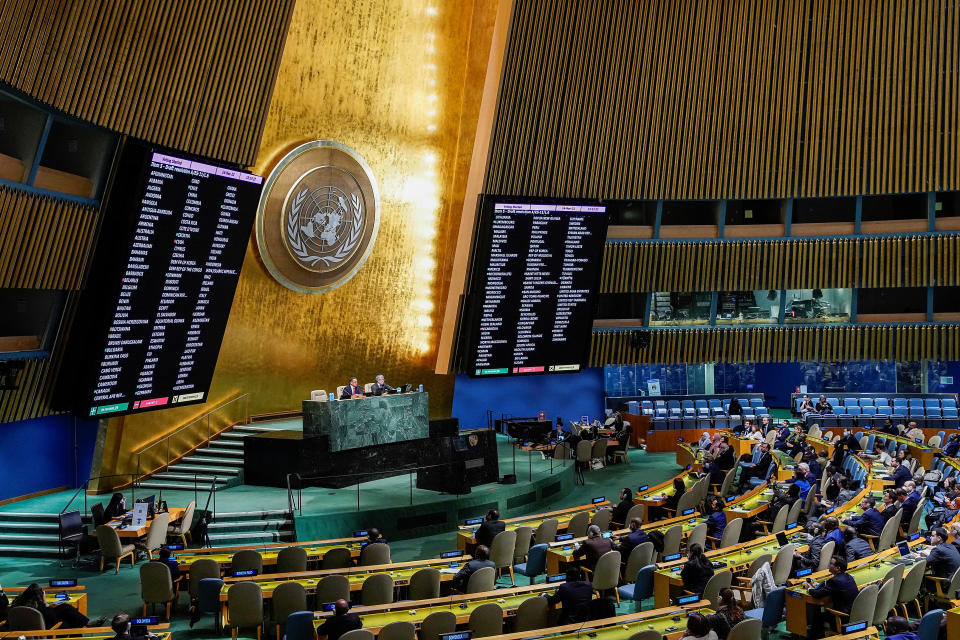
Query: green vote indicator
[
  {"x": 491, "y": 372},
  {"x": 109, "y": 408}
]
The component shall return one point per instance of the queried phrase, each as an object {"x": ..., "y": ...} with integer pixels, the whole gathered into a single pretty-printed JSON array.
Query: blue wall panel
[
  {"x": 569, "y": 395},
  {"x": 38, "y": 454}
]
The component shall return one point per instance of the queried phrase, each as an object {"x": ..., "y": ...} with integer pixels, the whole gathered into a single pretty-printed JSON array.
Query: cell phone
[{"x": 781, "y": 538}]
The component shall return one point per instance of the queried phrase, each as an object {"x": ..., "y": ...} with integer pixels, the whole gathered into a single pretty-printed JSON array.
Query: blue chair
[
  {"x": 721, "y": 422},
  {"x": 536, "y": 562},
  {"x": 871, "y": 439},
  {"x": 208, "y": 595},
  {"x": 715, "y": 404},
  {"x": 700, "y": 404},
  {"x": 686, "y": 404},
  {"x": 948, "y": 403},
  {"x": 900, "y": 402},
  {"x": 772, "y": 612},
  {"x": 756, "y": 402},
  {"x": 881, "y": 402},
  {"x": 868, "y": 416},
  {"x": 761, "y": 411},
  {"x": 641, "y": 589},
  {"x": 851, "y": 402},
  {"x": 943, "y": 437},
  {"x": 300, "y": 626},
  {"x": 931, "y": 403},
  {"x": 673, "y": 404},
  {"x": 866, "y": 402},
  {"x": 834, "y": 402},
  {"x": 950, "y": 418},
  {"x": 929, "y": 628},
  {"x": 884, "y": 410},
  {"x": 796, "y": 405},
  {"x": 756, "y": 482}
]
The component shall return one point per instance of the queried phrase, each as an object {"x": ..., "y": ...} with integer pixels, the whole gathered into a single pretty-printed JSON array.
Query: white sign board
[
  {"x": 139, "y": 515},
  {"x": 653, "y": 387}
]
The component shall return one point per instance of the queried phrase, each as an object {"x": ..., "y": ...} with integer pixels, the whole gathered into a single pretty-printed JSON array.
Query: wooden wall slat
[
  {"x": 193, "y": 76},
  {"x": 773, "y": 98}
]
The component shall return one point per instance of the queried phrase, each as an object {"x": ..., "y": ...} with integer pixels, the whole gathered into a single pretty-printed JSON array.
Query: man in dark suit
[
  {"x": 341, "y": 621},
  {"x": 489, "y": 528},
  {"x": 944, "y": 559},
  {"x": 574, "y": 597},
  {"x": 381, "y": 387},
  {"x": 900, "y": 473},
  {"x": 351, "y": 390},
  {"x": 869, "y": 523},
  {"x": 481, "y": 559},
  {"x": 637, "y": 536},
  {"x": 593, "y": 547},
  {"x": 841, "y": 588},
  {"x": 758, "y": 470}
]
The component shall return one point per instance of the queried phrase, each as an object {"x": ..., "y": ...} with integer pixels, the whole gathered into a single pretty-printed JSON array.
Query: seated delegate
[
  {"x": 352, "y": 390},
  {"x": 381, "y": 387}
]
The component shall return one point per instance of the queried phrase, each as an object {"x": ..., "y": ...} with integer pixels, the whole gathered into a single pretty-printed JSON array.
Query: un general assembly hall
[{"x": 455, "y": 319}]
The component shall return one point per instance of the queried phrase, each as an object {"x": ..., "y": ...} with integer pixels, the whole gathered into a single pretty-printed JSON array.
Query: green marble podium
[{"x": 351, "y": 424}]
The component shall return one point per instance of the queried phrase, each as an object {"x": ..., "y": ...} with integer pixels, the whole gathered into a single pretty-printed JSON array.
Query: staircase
[
  {"x": 29, "y": 534},
  {"x": 251, "y": 527},
  {"x": 221, "y": 459}
]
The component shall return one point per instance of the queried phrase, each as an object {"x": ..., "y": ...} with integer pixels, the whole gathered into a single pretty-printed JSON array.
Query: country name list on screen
[
  {"x": 178, "y": 276},
  {"x": 536, "y": 307}
]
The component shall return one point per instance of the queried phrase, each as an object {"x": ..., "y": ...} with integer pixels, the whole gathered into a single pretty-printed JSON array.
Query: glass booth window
[
  {"x": 810, "y": 306},
  {"x": 748, "y": 307},
  {"x": 669, "y": 309}
]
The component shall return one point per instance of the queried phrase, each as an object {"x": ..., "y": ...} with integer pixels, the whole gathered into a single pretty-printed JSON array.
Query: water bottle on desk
[{"x": 420, "y": 389}]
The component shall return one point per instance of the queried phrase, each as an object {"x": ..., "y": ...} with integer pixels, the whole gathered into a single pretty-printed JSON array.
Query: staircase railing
[
  {"x": 133, "y": 485},
  {"x": 198, "y": 432}
]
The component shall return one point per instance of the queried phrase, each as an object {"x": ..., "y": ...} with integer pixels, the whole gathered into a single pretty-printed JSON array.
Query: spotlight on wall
[{"x": 817, "y": 294}]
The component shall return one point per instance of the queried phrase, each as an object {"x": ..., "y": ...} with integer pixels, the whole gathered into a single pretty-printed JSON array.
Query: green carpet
[{"x": 109, "y": 593}]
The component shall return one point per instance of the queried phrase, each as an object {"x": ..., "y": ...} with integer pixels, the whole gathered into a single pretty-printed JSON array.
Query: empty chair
[
  {"x": 181, "y": 528},
  {"x": 719, "y": 580},
  {"x": 425, "y": 584},
  {"x": 886, "y": 600},
  {"x": 546, "y": 531},
  {"x": 584, "y": 451},
  {"x": 245, "y": 607},
  {"x": 671, "y": 540},
  {"x": 636, "y": 511},
  {"x": 536, "y": 562},
  {"x": 337, "y": 558},
  {"x": 374, "y": 554},
  {"x": 606, "y": 575},
  {"x": 578, "y": 524},
  {"x": 288, "y": 598},
  {"x": 333, "y": 588},
  {"x": 398, "y": 630},
  {"x": 377, "y": 589},
  {"x": 292, "y": 559},
  {"x": 602, "y": 519},
  {"x": 910, "y": 588},
  {"x": 640, "y": 556},
  {"x": 482, "y": 580},
  {"x": 641, "y": 588},
  {"x": 783, "y": 563},
  {"x": 522, "y": 545},
  {"x": 25, "y": 619},
  {"x": 486, "y": 620},
  {"x": 156, "y": 586},
  {"x": 731, "y": 534},
  {"x": 862, "y": 609},
  {"x": 299, "y": 626},
  {"x": 358, "y": 634},
  {"x": 698, "y": 535},
  {"x": 501, "y": 550},
  {"x": 247, "y": 559},
  {"x": 156, "y": 535},
  {"x": 771, "y": 613},
  {"x": 111, "y": 549},
  {"x": 436, "y": 623},
  {"x": 208, "y": 598},
  {"x": 531, "y": 614},
  {"x": 929, "y": 628},
  {"x": 747, "y": 629},
  {"x": 561, "y": 451},
  {"x": 200, "y": 569}
]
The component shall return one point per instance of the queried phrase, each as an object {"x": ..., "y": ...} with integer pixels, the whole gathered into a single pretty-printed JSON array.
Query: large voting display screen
[
  {"x": 156, "y": 302},
  {"x": 531, "y": 295}
]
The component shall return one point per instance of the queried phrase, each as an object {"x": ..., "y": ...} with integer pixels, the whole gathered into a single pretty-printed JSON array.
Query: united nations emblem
[{"x": 318, "y": 217}]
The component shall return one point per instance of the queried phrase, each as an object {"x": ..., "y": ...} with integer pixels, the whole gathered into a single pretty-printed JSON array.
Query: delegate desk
[
  {"x": 375, "y": 617},
  {"x": 77, "y": 596},
  {"x": 669, "y": 622},
  {"x": 368, "y": 421},
  {"x": 560, "y": 554},
  {"x": 666, "y": 579},
  {"x": 223, "y": 555},
  {"x": 864, "y": 571},
  {"x": 176, "y": 513},
  {"x": 922, "y": 452},
  {"x": 465, "y": 539},
  {"x": 87, "y": 633},
  {"x": 819, "y": 444},
  {"x": 656, "y": 496},
  {"x": 869, "y": 632}
]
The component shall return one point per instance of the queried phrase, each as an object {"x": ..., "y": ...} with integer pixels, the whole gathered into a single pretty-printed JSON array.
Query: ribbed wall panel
[
  {"x": 802, "y": 263},
  {"x": 780, "y": 344},
  {"x": 194, "y": 76},
  {"x": 691, "y": 99}
]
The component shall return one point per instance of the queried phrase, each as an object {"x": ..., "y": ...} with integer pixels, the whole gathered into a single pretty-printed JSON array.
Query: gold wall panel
[
  {"x": 693, "y": 99},
  {"x": 194, "y": 76},
  {"x": 399, "y": 82},
  {"x": 779, "y": 344},
  {"x": 795, "y": 263}
]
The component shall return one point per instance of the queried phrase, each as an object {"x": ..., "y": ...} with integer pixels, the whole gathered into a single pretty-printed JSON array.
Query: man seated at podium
[
  {"x": 380, "y": 387},
  {"x": 352, "y": 390}
]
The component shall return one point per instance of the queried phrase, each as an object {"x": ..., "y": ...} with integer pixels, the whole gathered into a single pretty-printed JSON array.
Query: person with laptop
[
  {"x": 870, "y": 522},
  {"x": 381, "y": 387},
  {"x": 341, "y": 622},
  {"x": 943, "y": 559},
  {"x": 841, "y": 588}
]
